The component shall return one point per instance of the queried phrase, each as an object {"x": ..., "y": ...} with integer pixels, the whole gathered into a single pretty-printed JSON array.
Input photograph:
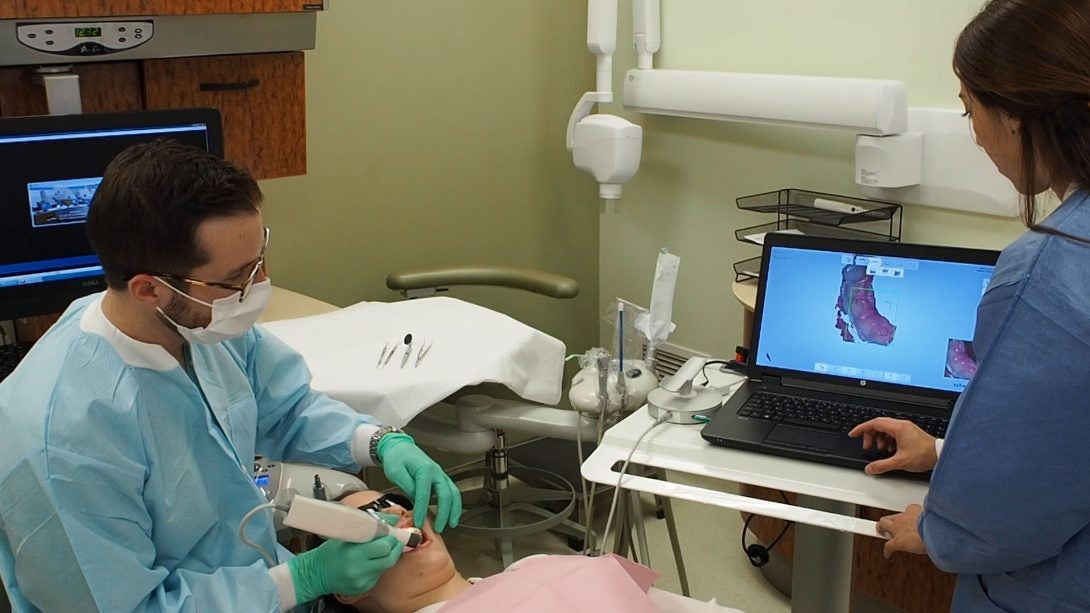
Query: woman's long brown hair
[{"x": 1030, "y": 59}]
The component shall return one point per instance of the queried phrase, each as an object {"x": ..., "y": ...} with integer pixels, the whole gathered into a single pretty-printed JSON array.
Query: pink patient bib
[{"x": 572, "y": 584}]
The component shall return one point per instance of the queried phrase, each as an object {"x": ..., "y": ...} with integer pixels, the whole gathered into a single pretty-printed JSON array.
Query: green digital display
[{"x": 88, "y": 32}]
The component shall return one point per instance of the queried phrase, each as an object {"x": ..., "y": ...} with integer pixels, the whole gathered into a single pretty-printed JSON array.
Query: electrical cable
[
  {"x": 759, "y": 554},
  {"x": 269, "y": 559},
  {"x": 711, "y": 363},
  {"x": 582, "y": 481},
  {"x": 624, "y": 468},
  {"x": 603, "y": 400},
  {"x": 587, "y": 531},
  {"x": 588, "y": 500},
  {"x": 579, "y": 454}
]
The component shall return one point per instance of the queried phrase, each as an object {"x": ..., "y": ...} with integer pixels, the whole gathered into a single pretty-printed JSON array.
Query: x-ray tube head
[{"x": 608, "y": 147}]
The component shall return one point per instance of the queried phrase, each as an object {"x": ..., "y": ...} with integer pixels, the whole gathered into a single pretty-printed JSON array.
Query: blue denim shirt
[{"x": 1009, "y": 504}]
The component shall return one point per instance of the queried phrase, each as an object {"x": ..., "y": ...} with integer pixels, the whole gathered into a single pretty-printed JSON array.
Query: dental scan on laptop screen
[
  {"x": 845, "y": 331},
  {"x": 898, "y": 320}
]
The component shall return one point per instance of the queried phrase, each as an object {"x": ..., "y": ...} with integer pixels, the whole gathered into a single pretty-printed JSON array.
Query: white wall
[{"x": 693, "y": 170}]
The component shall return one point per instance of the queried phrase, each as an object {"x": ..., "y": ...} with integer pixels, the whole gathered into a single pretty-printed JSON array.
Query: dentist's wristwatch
[{"x": 376, "y": 437}]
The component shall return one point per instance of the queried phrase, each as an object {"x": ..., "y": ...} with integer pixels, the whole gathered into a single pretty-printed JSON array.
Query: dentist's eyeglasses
[
  {"x": 244, "y": 289},
  {"x": 386, "y": 501}
]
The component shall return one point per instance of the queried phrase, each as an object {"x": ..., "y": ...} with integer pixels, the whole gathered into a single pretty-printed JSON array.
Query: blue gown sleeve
[
  {"x": 296, "y": 423},
  {"x": 1010, "y": 489},
  {"x": 81, "y": 517}
]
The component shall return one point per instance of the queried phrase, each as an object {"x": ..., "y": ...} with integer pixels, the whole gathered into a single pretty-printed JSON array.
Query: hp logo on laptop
[{"x": 862, "y": 384}]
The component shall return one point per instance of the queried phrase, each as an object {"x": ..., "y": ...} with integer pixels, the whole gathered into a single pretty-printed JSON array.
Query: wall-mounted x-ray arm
[
  {"x": 606, "y": 146},
  {"x": 918, "y": 155}
]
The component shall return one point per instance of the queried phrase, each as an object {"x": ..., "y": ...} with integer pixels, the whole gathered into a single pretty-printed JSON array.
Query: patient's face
[{"x": 417, "y": 572}]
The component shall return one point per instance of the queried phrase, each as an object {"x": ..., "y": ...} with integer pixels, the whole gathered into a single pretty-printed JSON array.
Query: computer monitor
[{"x": 50, "y": 167}]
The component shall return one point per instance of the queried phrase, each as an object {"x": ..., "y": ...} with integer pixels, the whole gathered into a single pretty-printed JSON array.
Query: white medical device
[
  {"x": 638, "y": 381},
  {"x": 680, "y": 399},
  {"x": 272, "y": 478},
  {"x": 279, "y": 481},
  {"x": 333, "y": 520},
  {"x": 298, "y": 497},
  {"x": 606, "y": 146}
]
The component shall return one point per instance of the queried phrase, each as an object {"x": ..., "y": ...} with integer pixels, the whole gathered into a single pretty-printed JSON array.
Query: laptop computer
[{"x": 847, "y": 330}]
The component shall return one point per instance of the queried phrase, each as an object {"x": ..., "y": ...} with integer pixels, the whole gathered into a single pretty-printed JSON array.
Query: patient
[
  {"x": 421, "y": 578},
  {"x": 425, "y": 579}
]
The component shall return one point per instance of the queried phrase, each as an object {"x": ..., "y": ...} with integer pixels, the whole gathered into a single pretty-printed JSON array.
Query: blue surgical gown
[
  {"x": 1009, "y": 504},
  {"x": 123, "y": 481}
]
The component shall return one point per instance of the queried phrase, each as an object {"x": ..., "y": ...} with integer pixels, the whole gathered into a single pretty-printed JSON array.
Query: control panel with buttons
[{"x": 85, "y": 38}]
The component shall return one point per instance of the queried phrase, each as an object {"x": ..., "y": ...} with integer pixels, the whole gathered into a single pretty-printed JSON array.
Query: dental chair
[{"x": 511, "y": 501}]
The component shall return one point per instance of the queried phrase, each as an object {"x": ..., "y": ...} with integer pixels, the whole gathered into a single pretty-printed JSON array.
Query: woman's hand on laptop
[{"x": 912, "y": 448}]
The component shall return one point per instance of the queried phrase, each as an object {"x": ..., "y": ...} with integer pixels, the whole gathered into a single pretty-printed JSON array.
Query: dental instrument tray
[{"x": 815, "y": 214}]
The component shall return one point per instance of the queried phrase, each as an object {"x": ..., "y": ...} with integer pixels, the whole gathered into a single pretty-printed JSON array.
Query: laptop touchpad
[{"x": 803, "y": 438}]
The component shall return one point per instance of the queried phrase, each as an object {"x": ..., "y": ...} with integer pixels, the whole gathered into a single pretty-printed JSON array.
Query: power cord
[
  {"x": 282, "y": 503},
  {"x": 269, "y": 559},
  {"x": 704, "y": 372},
  {"x": 738, "y": 364},
  {"x": 759, "y": 554},
  {"x": 624, "y": 469},
  {"x": 583, "y": 482}
]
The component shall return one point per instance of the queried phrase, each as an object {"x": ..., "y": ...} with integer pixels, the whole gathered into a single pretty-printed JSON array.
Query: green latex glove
[
  {"x": 409, "y": 468},
  {"x": 388, "y": 518},
  {"x": 337, "y": 567}
]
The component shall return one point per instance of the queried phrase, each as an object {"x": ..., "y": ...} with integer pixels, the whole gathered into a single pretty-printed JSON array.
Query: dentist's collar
[{"x": 132, "y": 351}]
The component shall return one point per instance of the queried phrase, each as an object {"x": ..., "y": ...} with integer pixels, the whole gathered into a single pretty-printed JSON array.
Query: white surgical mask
[{"x": 230, "y": 318}]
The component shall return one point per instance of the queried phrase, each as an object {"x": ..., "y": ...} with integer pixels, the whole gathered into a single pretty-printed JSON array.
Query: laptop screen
[{"x": 885, "y": 318}]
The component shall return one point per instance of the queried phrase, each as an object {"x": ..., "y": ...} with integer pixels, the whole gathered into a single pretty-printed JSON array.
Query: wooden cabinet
[
  {"x": 908, "y": 582},
  {"x": 104, "y": 87},
  {"x": 262, "y": 99},
  {"x": 260, "y": 96},
  {"x": 35, "y": 9}
]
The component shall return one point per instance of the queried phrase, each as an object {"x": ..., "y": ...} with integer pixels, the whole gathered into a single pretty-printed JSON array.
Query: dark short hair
[
  {"x": 153, "y": 197},
  {"x": 1030, "y": 59}
]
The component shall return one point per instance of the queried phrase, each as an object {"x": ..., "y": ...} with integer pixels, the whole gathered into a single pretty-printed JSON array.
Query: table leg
[
  {"x": 635, "y": 514},
  {"x": 821, "y": 579},
  {"x": 675, "y": 544},
  {"x": 622, "y": 536}
]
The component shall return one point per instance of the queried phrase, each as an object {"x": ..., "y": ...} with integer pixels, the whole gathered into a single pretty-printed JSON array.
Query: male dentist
[{"x": 130, "y": 428}]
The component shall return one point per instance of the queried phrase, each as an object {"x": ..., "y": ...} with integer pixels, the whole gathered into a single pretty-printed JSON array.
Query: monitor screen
[
  {"x": 52, "y": 166},
  {"x": 864, "y": 316}
]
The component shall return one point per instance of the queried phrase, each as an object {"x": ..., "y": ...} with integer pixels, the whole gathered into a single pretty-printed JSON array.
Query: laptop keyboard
[
  {"x": 827, "y": 415},
  {"x": 10, "y": 356}
]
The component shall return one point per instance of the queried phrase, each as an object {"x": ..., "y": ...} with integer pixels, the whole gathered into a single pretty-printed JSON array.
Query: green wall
[
  {"x": 692, "y": 171},
  {"x": 436, "y": 137}
]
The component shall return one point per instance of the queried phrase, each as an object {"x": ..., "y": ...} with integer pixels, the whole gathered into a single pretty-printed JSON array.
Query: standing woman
[{"x": 1009, "y": 505}]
